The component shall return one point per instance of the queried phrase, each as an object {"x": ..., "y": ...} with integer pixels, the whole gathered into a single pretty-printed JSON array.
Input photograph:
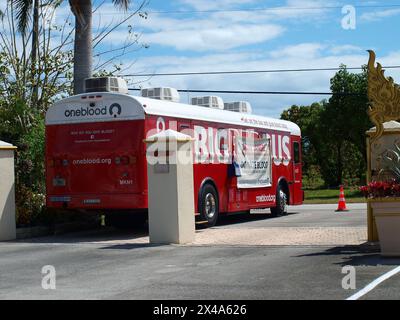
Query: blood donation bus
[{"x": 96, "y": 157}]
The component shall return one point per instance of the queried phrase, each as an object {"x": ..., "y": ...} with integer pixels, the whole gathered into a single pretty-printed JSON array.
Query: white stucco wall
[
  {"x": 170, "y": 194},
  {"x": 7, "y": 192}
]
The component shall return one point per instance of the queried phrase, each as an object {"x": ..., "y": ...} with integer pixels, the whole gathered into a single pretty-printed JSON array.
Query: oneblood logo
[
  {"x": 265, "y": 198},
  {"x": 83, "y": 112},
  {"x": 114, "y": 110}
]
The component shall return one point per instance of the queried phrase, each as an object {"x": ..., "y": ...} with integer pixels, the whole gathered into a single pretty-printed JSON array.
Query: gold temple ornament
[{"x": 384, "y": 96}]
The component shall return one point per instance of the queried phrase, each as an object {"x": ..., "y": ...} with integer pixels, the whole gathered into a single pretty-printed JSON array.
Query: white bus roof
[{"x": 117, "y": 107}]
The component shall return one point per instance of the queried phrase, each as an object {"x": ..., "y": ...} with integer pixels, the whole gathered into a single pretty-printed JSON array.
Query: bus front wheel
[{"x": 209, "y": 205}]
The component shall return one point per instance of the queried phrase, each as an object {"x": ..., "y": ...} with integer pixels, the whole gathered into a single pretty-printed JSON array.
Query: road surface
[{"x": 113, "y": 264}]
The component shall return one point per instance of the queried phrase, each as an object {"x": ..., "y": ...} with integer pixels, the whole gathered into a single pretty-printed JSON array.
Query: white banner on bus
[{"x": 253, "y": 161}]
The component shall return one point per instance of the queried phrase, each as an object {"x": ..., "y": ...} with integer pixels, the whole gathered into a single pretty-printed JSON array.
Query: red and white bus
[{"x": 96, "y": 157}]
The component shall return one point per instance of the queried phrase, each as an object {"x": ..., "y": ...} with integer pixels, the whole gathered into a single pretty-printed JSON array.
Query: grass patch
[{"x": 332, "y": 196}]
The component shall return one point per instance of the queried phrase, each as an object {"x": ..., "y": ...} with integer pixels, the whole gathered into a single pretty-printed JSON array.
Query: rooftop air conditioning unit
[
  {"x": 164, "y": 93},
  {"x": 106, "y": 84},
  {"x": 208, "y": 101},
  {"x": 239, "y": 106}
]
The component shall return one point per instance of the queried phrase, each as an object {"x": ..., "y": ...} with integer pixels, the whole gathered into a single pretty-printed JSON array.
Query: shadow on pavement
[
  {"x": 92, "y": 236},
  {"x": 130, "y": 246},
  {"x": 246, "y": 217},
  {"x": 122, "y": 237},
  {"x": 366, "y": 254}
]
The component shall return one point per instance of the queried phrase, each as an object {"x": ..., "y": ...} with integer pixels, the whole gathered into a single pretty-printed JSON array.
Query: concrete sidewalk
[
  {"x": 291, "y": 236},
  {"x": 304, "y": 225}
]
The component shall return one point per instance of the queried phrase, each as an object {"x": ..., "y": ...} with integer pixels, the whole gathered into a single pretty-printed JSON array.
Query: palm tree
[
  {"x": 24, "y": 9},
  {"x": 83, "y": 56},
  {"x": 82, "y": 10},
  {"x": 83, "y": 48}
]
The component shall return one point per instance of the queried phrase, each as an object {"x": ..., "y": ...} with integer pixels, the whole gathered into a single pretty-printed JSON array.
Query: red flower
[{"x": 381, "y": 189}]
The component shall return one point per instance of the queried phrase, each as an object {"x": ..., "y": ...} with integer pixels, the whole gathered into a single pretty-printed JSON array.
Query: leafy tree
[
  {"x": 30, "y": 83},
  {"x": 307, "y": 118},
  {"x": 83, "y": 44},
  {"x": 333, "y": 132},
  {"x": 25, "y": 95},
  {"x": 348, "y": 106},
  {"x": 345, "y": 121}
]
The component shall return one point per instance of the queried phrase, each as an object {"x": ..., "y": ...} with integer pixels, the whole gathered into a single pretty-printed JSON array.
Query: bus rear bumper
[{"x": 98, "y": 201}]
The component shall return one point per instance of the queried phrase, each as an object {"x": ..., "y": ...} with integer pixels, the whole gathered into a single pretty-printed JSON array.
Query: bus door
[{"x": 297, "y": 191}]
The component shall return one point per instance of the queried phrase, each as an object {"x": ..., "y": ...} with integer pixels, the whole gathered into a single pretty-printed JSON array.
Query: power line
[
  {"x": 243, "y": 72},
  {"x": 265, "y": 92},
  {"x": 287, "y": 8}
]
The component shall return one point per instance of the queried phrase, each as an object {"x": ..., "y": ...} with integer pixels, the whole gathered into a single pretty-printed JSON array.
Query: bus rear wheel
[
  {"x": 209, "y": 205},
  {"x": 281, "y": 203}
]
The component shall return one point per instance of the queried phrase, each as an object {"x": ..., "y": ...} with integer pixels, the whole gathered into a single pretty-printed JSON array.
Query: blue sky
[
  {"x": 294, "y": 34},
  {"x": 221, "y": 35}
]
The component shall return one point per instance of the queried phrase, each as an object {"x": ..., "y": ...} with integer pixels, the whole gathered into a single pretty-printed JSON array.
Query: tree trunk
[
  {"x": 339, "y": 164},
  {"x": 34, "y": 53},
  {"x": 83, "y": 55}
]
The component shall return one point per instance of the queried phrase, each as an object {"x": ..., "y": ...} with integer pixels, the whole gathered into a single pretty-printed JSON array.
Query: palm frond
[
  {"x": 124, "y": 4},
  {"x": 392, "y": 161},
  {"x": 23, "y": 13}
]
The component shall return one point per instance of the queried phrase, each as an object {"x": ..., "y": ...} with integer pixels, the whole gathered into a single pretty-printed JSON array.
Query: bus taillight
[
  {"x": 56, "y": 162},
  {"x": 125, "y": 160}
]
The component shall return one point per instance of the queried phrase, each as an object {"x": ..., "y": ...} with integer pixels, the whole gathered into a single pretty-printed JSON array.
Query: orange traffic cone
[{"x": 342, "y": 201}]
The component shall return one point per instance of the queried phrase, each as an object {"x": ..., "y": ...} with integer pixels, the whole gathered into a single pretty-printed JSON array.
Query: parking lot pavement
[
  {"x": 114, "y": 265},
  {"x": 304, "y": 225}
]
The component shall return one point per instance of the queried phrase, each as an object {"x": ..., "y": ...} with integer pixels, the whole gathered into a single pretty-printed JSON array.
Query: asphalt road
[
  {"x": 308, "y": 215},
  {"x": 117, "y": 269}
]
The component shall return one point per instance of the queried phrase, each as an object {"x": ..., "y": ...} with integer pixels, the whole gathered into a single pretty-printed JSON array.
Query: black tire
[
  {"x": 281, "y": 203},
  {"x": 209, "y": 205}
]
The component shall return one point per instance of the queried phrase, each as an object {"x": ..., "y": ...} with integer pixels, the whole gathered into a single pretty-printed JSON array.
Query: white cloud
[
  {"x": 392, "y": 59},
  {"x": 228, "y": 29},
  {"x": 309, "y": 50},
  {"x": 220, "y": 30},
  {"x": 215, "y": 38},
  {"x": 3, "y": 5},
  {"x": 290, "y": 8},
  {"x": 345, "y": 49},
  {"x": 211, "y": 35},
  {"x": 200, "y": 33},
  {"x": 213, "y": 4},
  {"x": 308, "y": 55},
  {"x": 379, "y": 15}
]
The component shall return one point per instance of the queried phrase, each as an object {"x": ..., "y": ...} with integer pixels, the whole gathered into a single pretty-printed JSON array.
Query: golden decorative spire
[{"x": 383, "y": 94}]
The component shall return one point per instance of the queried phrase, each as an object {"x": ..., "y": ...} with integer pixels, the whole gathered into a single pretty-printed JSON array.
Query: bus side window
[
  {"x": 296, "y": 152},
  {"x": 183, "y": 127}
]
